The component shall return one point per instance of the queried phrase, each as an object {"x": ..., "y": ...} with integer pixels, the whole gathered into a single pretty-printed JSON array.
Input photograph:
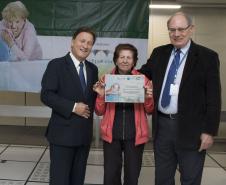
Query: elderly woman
[
  {"x": 124, "y": 127},
  {"x": 18, "y": 33}
]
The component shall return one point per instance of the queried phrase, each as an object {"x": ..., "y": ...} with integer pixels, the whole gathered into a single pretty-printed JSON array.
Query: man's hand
[
  {"x": 82, "y": 110},
  {"x": 99, "y": 87},
  {"x": 206, "y": 141},
  {"x": 148, "y": 91}
]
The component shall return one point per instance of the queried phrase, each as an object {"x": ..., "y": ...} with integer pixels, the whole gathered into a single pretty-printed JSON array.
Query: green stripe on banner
[{"x": 109, "y": 18}]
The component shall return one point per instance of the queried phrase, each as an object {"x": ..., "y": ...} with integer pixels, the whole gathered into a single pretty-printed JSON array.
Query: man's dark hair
[{"x": 87, "y": 30}]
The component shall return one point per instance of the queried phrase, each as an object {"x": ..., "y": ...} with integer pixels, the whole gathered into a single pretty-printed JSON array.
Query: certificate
[{"x": 124, "y": 88}]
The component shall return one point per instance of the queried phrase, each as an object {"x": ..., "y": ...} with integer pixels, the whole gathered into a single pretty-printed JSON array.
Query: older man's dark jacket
[{"x": 199, "y": 99}]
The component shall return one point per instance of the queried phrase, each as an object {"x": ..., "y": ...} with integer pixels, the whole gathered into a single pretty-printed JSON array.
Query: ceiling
[
  {"x": 193, "y": 3},
  {"x": 203, "y": 1}
]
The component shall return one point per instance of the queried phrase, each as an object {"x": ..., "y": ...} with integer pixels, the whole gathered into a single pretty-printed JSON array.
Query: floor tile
[
  {"x": 214, "y": 176},
  {"x": 22, "y": 153},
  {"x": 220, "y": 158},
  {"x": 7, "y": 182},
  {"x": 148, "y": 159},
  {"x": 95, "y": 157},
  {"x": 41, "y": 173},
  {"x": 27, "y": 146},
  {"x": 94, "y": 174},
  {"x": 147, "y": 176},
  {"x": 45, "y": 157},
  {"x": 2, "y": 148},
  {"x": 209, "y": 162},
  {"x": 15, "y": 170}
]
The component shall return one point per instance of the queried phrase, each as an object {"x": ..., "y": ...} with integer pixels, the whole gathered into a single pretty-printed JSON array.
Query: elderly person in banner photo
[
  {"x": 124, "y": 127},
  {"x": 17, "y": 35}
]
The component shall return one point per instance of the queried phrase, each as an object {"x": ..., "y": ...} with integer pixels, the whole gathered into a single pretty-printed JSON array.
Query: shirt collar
[
  {"x": 184, "y": 50},
  {"x": 75, "y": 60}
]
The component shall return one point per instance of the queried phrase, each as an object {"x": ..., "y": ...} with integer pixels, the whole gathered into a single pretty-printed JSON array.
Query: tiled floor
[{"x": 29, "y": 165}]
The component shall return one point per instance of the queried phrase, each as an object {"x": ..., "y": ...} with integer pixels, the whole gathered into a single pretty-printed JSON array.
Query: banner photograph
[{"x": 38, "y": 31}]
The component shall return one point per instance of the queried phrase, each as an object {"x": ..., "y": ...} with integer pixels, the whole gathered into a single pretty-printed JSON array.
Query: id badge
[{"x": 174, "y": 89}]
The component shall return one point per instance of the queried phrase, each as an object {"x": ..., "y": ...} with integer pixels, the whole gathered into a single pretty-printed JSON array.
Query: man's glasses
[{"x": 181, "y": 30}]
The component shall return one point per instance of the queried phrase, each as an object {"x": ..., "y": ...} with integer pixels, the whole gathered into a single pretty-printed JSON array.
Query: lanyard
[{"x": 180, "y": 62}]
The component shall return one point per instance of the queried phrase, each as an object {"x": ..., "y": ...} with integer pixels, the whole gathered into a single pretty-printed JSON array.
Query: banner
[{"x": 114, "y": 22}]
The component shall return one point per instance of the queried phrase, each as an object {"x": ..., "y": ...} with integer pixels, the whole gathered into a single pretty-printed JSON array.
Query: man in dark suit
[
  {"x": 187, "y": 97},
  {"x": 67, "y": 89}
]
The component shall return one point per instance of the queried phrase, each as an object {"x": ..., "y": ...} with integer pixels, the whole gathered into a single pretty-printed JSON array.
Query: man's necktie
[
  {"x": 81, "y": 76},
  {"x": 170, "y": 79}
]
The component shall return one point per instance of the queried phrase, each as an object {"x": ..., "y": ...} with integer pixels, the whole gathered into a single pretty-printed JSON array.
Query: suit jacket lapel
[
  {"x": 190, "y": 63},
  {"x": 73, "y": 72},
  {"x": 89, "y": 76},
  {"x": 161, "y": 70}
]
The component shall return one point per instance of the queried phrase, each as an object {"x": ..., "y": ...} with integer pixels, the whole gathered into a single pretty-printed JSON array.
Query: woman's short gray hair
[{"x": 14, "y": 10}]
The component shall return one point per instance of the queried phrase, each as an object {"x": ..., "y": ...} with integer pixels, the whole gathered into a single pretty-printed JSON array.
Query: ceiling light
[{"x": 152, "y": 6}]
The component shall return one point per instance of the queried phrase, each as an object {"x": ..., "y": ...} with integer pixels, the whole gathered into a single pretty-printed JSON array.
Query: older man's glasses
[{"x": 181, "y": 30}]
